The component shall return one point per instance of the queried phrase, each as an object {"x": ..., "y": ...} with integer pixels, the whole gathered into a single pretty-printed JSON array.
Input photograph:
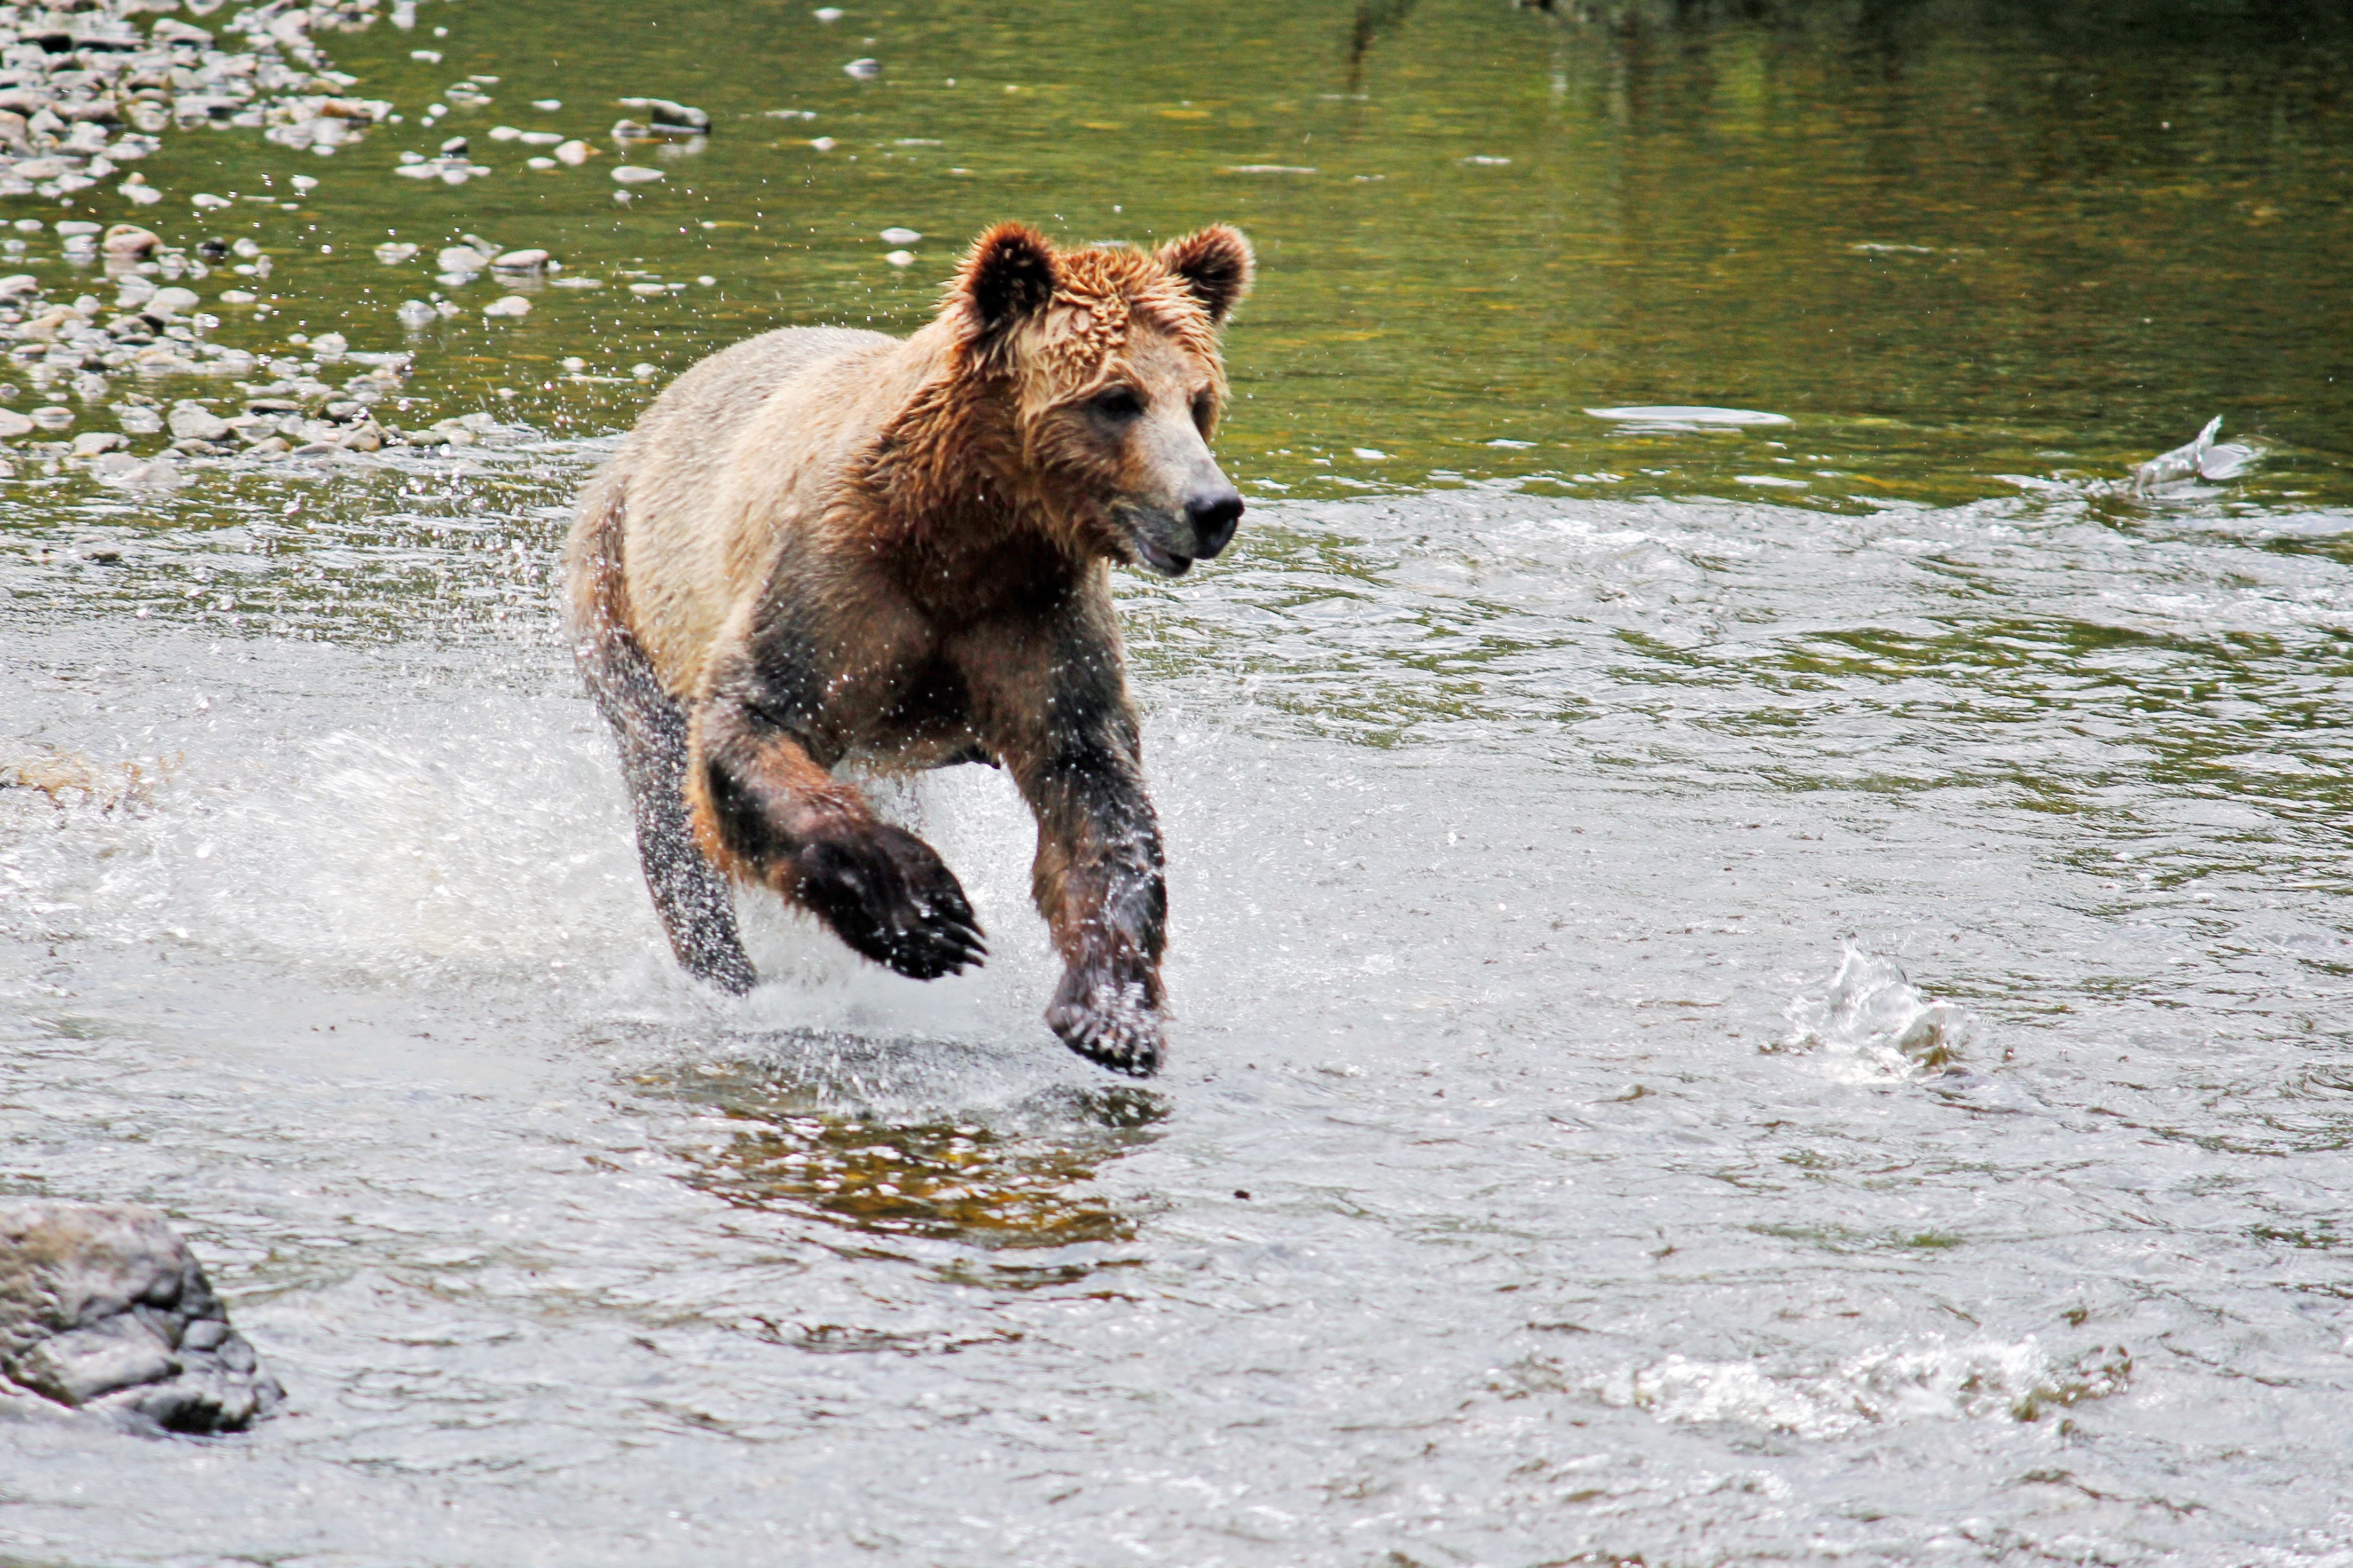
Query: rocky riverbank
[{"x": 85, "y": 92}]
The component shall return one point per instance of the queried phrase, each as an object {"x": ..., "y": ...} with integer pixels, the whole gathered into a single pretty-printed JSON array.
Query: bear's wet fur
[{"x": 824, "y": 546}]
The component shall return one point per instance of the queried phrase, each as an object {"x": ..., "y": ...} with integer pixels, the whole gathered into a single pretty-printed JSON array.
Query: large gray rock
[{"x": 102, "y": 1308}]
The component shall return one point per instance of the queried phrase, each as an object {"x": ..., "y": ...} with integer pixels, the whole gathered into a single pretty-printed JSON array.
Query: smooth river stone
[
  {"x": 129, "y": 239},
  {"x": 192, "y": 421}
]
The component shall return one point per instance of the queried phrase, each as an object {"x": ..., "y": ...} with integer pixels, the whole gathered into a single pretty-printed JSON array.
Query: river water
[{"x": 1718, "y": 1021}]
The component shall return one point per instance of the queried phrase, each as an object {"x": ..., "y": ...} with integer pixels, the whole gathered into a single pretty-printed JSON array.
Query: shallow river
[{"x": 1719, "y": 1020}]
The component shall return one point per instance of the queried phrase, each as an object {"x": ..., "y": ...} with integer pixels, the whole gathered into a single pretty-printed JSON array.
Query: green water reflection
[{"x": 1950, "y": 241}]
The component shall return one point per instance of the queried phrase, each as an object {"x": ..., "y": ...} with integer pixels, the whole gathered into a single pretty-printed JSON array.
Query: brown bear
[{"x": 826, "y": 546}]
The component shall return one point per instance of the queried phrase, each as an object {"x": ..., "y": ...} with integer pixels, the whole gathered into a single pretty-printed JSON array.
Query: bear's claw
[
  {"x": 888, "y": 895},
  {"x": 1107, "y": 1022}
]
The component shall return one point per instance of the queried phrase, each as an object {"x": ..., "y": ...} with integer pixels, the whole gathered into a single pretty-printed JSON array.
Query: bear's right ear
[{"x": 1009, "y": 277}]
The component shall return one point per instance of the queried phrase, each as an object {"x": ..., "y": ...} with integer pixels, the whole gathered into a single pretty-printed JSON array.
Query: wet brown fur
[{"x": 825, "y": 545}]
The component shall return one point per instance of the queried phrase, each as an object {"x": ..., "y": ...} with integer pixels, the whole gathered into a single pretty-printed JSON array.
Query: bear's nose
[{"x": 1214, "y": 514}]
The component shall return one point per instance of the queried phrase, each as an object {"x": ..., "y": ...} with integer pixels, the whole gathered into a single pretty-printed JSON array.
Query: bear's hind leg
[{"x": 697, "y": 909}]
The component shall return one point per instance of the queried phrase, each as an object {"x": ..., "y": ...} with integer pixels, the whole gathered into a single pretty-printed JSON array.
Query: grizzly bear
[{"x": 826, "y": 546}]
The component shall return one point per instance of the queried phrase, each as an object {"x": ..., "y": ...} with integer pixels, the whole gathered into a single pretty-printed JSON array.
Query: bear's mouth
[
  {"x": 1137, "y": 524},
  {"x": 1167, "y": 563}
]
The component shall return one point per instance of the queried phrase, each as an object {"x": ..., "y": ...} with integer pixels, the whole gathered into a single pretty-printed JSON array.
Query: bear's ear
[
  {"x": 1216, "y": 264},
  {"x": 1009, "y": 277}
]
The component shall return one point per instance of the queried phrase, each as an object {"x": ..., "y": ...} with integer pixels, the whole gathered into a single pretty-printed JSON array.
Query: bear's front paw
[
  {"x": 885, "y": 893},
  {"x": 1107, "y": 1020}
]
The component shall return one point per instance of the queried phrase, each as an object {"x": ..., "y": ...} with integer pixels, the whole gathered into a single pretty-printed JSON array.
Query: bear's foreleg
[
  {"x": 1050, "y": 697},
  {"x": 1100, "y": 881},
  {"x": 765, "y": 810}
]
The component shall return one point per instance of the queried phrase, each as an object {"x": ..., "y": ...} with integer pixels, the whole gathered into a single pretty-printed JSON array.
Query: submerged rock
[
  {"x": 450, "y": 168},
  {"x": 1670, "y": 417},
  {"x": 668, "y": 118},
  {"x": 103, "y": 1310},
  {"x": 72, "y": 778}
]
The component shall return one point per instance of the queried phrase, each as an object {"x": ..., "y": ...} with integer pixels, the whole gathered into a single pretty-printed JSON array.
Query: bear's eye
[
  {"x": 1205, "y": 408},
  {"x": 1119, "y": 406}
]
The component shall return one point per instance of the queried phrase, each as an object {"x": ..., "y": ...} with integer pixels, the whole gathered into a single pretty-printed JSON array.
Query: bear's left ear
[
  {"x": 1216, "y": 265},
  {"x": 1008, "y": 277}
]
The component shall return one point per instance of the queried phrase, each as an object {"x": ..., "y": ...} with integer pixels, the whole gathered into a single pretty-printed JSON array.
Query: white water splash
[
  {"x": 1874, "y": 1024},
  {"x": 2202, "y": 458},
  {"x": 1976, "y": 1379}
]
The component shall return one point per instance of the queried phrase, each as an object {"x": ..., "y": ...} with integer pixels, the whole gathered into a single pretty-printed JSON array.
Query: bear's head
[{"x": 1107, "y": 357}]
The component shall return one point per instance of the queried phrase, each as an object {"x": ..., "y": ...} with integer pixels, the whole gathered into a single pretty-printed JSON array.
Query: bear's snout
[{"x": 1214, "y": 510}]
